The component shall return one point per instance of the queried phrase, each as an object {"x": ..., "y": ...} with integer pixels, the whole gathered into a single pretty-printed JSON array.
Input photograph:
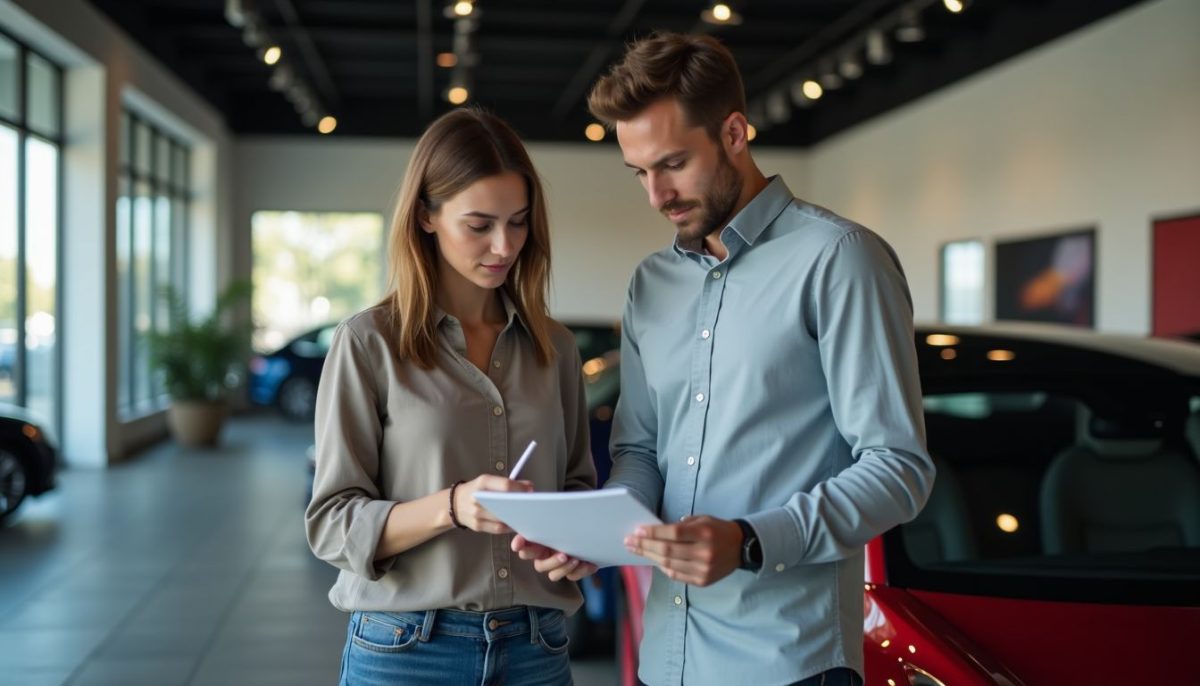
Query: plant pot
[{"x": 196, "y": 422}]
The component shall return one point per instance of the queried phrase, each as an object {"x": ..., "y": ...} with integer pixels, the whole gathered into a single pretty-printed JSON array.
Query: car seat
[
  {"x": 942, "y": 531},
  {"x": 1120, "y": 488}
]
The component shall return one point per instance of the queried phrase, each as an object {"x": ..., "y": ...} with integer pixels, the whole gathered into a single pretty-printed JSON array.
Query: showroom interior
[{"x": 154, "y": 153}]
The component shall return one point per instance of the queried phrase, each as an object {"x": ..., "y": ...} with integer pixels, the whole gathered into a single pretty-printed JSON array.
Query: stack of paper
[{"x": 589, "y": 525}]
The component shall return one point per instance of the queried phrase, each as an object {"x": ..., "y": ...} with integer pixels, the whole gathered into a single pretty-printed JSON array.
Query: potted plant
[{"x": 197, "y": 359}]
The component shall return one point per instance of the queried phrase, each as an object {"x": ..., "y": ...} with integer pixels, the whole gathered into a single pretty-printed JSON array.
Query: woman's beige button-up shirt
[{"x": 388, "y": 431}]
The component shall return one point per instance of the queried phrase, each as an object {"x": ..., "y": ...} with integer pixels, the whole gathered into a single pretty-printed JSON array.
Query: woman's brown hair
[
  {"x": 458, "y": 149},
  {"x": 696, "y": 70}
]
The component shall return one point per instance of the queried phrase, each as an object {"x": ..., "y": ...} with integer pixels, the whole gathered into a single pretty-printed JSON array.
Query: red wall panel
[{"x": 1176, "y": 276}]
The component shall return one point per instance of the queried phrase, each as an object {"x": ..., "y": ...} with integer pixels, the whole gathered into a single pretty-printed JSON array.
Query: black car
[
  {"x": 28, "y": 459},
  {"x": 288, "y": 377}
]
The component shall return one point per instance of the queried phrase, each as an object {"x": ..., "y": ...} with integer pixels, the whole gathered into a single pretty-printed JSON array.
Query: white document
[{"x": 589, "y": 525}]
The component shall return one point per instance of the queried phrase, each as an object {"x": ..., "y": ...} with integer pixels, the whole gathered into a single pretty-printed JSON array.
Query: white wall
[
  {"x": 1101, "y": 128},
  {"x": 104, "y": 68},
  {"x": 601, "y": 224}
]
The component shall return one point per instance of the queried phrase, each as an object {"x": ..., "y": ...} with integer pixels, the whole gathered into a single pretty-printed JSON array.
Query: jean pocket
[
  {"x": 553, "y": 636},
  {"x": 382, "y": 634}
]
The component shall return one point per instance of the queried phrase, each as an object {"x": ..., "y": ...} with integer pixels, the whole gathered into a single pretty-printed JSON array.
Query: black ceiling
[{"x": 371, "y": 62}]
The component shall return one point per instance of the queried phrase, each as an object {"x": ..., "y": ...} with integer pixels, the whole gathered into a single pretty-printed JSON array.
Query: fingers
[
  {"x": 527, "y": 550},
  {"x": 585, "y": 569},
  {"x": 693, "y": 551},
  {"x": 488, "y": 482}
]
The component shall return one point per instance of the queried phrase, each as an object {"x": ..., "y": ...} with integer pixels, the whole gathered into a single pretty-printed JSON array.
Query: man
[{"x": 770, "y": 407}]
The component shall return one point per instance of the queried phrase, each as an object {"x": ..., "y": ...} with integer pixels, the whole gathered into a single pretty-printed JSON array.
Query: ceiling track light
[
  {"x": 778, "y": 110},
  {"x": 871, "y": 44},
  {"x": 721, "y": 14},
  {"x": 878, "y": 51},
  {"x": 459, "y": 9},
  {"x": 850, "y": 67},
  {"x": 828, "y": 76},
  {"x": 910, "y": 30}
]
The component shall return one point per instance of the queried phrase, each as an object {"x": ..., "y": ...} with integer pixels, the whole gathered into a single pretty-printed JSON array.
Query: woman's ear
[{"x": 423, "y": 218}]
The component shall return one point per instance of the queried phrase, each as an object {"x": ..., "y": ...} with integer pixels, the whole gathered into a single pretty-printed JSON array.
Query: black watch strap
[{"x": 752, "y": 558}]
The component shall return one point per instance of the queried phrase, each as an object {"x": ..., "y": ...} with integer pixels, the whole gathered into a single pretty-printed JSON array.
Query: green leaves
[{"x": 197, "y": 358}]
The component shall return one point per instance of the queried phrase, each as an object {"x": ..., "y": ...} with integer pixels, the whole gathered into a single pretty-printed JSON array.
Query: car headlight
[{"x": 31, "y": 432}]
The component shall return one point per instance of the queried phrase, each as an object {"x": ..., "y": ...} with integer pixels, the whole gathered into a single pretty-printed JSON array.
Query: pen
[{"x": 523, "y": 459}]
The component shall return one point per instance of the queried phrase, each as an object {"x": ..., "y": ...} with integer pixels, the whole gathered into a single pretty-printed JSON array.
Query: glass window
[
  {"x": 1075, "y": 484},
  {"x": 41, "y": 277},
  {"x": 10, "y": 57},
  {"x": 152, "y": 240},
  {"x": 162, "y": 162},
  {"x": 125, "y": 285},
  {"x": 43, "y": 113},
  {"x": 962, "y": 282},
  {"x": 312, "y": 268},
  {"x": 141, "y": 147},
  {"x": 143, "y": 289},
  {"x": 30, "y": 151},
  {"x": 8, "y": 263}
]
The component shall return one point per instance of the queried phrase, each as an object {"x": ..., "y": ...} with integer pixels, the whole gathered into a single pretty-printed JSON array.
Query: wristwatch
[{"x": 752, "y": 557}]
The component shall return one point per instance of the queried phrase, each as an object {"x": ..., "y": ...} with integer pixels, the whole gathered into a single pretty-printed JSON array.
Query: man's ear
[{"x": 735, "y": 132}]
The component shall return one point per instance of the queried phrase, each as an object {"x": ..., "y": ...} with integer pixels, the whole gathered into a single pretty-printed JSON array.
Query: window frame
[
  {"x": 144, "y": 394},
  {"x": 20, "y": 123}
]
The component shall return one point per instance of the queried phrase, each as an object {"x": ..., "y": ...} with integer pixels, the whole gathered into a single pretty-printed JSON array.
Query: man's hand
[
  {"x": 550, "y": 562},
  {"x": 697, "y": 551}
]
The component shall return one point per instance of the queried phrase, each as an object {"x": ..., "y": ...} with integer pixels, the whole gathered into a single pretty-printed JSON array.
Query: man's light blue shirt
[{"x": 780, "y": 386}]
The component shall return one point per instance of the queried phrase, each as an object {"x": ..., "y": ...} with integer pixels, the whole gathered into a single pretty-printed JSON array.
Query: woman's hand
[
  {"x": 475, "y": 516},
  {"x": 556, "y": 565}
]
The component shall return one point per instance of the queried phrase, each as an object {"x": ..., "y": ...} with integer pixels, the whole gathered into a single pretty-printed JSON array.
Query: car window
[
  {"x": 1079, "y": 483},
  {"x": 314, "y": 344},
  {"x": 325, "y": 338}
]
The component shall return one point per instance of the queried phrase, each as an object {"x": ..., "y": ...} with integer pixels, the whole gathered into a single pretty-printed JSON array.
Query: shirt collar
[
  {"x": 753, "y": 219},
  {"x": 511, "y": 312}
]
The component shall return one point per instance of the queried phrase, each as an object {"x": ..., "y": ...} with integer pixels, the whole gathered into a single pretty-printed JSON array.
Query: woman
[{"x": 430, "y": 396}]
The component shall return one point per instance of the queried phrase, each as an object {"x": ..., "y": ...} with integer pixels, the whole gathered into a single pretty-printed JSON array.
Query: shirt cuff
[
  {"x": 780, "y": 539},
  {"x": 363, "y": 540}
]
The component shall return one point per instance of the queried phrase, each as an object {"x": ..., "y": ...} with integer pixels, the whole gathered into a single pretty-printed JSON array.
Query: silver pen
[{"x": 523, "y": 459}]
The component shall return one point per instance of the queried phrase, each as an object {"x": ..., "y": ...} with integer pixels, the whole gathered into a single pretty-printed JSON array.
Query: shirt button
[
  {"x": 678, "y": 600},
  {"x": 716, "y": 275},
  {"x": 499, "y": 466},
  {"x": 497, "y": 410},
  {"x": 496, "y": 364},
  {"x": 780, "y": 567},
  {"x": 699, "y": 397},
  {"x": 503, "y": 573},
  {"x": 691, "y": 460},
  {"x": 705, "y": 333}
]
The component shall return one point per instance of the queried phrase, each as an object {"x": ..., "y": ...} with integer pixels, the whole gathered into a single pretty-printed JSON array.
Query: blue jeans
[
  {"x": 842, "y": 676},
  {"x": 515, "y": 646}
]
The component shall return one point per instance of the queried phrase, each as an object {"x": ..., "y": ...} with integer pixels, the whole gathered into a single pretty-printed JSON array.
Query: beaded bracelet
[{"x": 454, "y": 517}]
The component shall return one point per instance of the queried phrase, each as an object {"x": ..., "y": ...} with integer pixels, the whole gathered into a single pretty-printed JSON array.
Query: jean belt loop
[
  {"x": 534, "y": 629},
  {"x": 427, "y": 626}
]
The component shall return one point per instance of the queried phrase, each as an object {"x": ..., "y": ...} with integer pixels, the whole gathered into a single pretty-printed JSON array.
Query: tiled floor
[{"x": 180, "y": 567}]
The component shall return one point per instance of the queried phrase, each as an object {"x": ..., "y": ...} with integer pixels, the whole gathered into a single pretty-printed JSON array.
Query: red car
[{"x": 1061, "y": 543}]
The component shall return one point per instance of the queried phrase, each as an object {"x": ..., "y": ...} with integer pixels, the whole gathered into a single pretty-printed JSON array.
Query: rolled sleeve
[{"x": 346, "y": 516}]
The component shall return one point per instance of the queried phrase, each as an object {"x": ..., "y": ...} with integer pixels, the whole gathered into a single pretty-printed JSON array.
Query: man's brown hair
[{"x": 694, "y": 69}]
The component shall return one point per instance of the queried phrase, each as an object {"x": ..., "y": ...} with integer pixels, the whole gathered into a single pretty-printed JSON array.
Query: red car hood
[{"x": 1043, "y": 643}]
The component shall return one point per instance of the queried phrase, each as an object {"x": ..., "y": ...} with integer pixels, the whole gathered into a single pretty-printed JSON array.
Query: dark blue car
[{"x": 287, "y": 378}]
